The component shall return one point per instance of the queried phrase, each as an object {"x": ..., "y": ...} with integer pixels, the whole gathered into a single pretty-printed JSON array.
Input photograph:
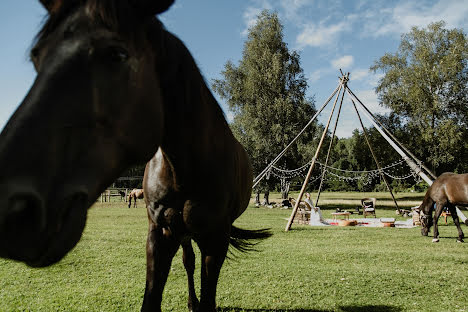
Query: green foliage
[
  {"x": 426, "y": 84},
  {"x": 132, "y": 172},
  {"x": 266, "y": 93}
]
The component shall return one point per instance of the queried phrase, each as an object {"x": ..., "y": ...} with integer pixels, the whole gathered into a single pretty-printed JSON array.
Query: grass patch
[{"x": 306, "y": 269}]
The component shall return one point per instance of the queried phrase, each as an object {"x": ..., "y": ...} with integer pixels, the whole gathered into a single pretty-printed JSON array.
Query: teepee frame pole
[
  {"x": 324, "y": 171},
  {"x": 309, "y": 173}
]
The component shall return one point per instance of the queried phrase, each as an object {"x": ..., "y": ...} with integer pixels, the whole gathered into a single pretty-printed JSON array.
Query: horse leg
[
  {"x": 213, "y": 253},
  {"x": 437, "y": 213},
  {"x": 454, "y": 214},
  {"x": 129, "y": 201},
  {"x": 160, "y": 250},
  {"x": 189, "y": 263}
]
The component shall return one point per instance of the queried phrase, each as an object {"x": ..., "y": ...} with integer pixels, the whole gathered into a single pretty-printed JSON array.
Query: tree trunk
[
  {"x": 266, "y": 201},
  {"x": 285, "y": 188}
]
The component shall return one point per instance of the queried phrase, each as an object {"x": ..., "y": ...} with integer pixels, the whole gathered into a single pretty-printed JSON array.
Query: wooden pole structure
[
  {"x": 375, "y": 158},
  {"x": 309, "y": 173},
  {"x": 265, "y": 171},
  {"x": 331, "y": 140}
]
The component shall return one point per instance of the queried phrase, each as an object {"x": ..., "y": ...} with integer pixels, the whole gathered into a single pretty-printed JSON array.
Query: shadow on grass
[
  {"x": 445, "y": 237},
  {"x": 367, "y": 308}
]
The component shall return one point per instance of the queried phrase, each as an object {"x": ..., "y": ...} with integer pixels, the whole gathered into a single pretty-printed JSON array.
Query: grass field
[{"x": 306, "y": 269}]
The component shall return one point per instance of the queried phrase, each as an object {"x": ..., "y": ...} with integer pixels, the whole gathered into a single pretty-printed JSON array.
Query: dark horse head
[
  {"x": 75, "y": 130},
  {"x": 425, "y": 215}
]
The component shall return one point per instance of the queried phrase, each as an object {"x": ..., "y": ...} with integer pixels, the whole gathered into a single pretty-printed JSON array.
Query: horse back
[{"x": 451, "y": 187}]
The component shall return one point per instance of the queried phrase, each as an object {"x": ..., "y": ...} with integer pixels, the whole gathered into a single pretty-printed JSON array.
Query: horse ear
[
  {"x": 51, "y": 5},
  {"x": 151, "y": 7}
]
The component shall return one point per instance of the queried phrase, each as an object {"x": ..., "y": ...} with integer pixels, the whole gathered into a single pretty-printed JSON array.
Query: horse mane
[
  {"x": 113, "y": 14},
  {"x": 427, "y": 203}
]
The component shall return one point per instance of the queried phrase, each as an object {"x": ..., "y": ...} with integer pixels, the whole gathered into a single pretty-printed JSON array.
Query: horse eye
[
  {"x": 119, "y": 55},
  {"x": 34, "y": 53}
]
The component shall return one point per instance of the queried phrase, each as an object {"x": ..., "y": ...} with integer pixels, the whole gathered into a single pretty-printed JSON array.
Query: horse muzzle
[{"x": 38, "y": 232}]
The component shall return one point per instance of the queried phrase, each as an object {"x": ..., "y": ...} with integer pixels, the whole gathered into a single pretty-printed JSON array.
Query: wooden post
[
  {"x": 309, "y": 173},
  {"x": 331, "y": 141}
]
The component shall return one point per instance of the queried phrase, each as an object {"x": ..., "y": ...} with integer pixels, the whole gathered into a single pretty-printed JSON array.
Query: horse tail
[{"x": 246, "y": 240}]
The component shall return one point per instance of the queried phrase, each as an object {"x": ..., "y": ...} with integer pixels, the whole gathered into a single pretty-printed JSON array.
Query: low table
[{"x": 344, "y": 214}]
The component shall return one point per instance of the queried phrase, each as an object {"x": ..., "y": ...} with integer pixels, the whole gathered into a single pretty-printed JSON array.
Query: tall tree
[
  {"x": 426, "y": 83},
  {"x": 266, "y": 93}
]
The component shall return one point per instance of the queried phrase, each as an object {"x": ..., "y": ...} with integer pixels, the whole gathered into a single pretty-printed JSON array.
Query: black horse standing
[
  {"x": 448, "y": 190},
  {"x": 113, "y": 89}
]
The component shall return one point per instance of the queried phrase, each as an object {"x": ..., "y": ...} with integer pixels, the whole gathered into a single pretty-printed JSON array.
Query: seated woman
[{"x": 315, "y": 213}]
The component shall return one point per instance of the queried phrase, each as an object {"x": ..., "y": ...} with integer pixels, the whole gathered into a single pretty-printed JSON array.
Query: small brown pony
[
  {"x": 448, "y": 190},
  {"x": 135, "y": 194},
  {"x": 114, "y": 89}
]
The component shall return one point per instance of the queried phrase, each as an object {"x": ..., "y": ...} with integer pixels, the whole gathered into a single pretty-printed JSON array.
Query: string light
[{"x": 366, "y": 177}]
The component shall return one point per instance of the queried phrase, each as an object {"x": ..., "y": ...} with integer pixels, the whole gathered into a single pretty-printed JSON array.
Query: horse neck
[
  {"x": 192, "y": 116},
  {"x": 428, "y": 203}
]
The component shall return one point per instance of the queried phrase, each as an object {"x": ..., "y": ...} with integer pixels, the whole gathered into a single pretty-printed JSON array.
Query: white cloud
[
  {"x": 292, "y": 8},
  {"x": 343, "y": 62},
  {"x": 370, "y": 100},
  {"x": 251, "y": 13},
  {"x": 406, "y": 14},
  {"x": 359, "y": 74},
  {"x": 346, "y": 126},
  {"x": 374, "y": 79},
  {"x": 319, "y": 35},
  {"x": 315, "y": 75}
]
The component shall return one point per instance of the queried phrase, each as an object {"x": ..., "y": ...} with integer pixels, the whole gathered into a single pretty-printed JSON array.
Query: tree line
[{"x": 424, "y": 84}]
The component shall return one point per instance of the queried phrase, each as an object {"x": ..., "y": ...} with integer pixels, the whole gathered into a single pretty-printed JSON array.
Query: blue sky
[{"x": 328, "y": 34}]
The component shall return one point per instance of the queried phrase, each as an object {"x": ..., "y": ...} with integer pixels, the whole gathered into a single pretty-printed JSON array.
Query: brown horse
[
  {"x": 135, "y": 194},
  {"x": 102, "y": 65},
  {"x": 448, "y": 190}
]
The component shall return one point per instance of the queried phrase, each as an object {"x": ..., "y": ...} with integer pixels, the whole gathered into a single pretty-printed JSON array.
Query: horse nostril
[{"x": 25, "y": 211}]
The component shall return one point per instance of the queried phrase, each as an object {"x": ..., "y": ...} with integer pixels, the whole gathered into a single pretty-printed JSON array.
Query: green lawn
[{"x": 306, "y": 269}]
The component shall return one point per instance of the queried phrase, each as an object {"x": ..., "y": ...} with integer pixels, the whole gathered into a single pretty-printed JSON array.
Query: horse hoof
[
  {"x": 435, "y": 240},
  {"x": 460, "y": 241}
]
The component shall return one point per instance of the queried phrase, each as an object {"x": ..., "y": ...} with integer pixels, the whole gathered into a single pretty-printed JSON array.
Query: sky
[{"x": 328, "y": 34}]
